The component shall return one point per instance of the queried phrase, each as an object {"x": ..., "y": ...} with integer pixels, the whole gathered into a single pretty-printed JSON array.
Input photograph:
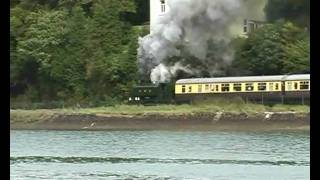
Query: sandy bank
[{"x": 50, "y": 120}]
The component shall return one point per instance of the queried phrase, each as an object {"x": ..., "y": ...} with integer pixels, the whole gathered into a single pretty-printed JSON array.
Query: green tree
[
  {"x": 261, "y": 52},
  {"x": 269, "y": 51},
  {"x": 297, "y": 11},
  {"x": 297, "y": 57},
  {"x": 41, "y": 46},
  {"x": 75, "y": 50},
  {"x": 71, "y": 57},
  {"x": 108, "y": 42},
  {"x": 23, "y": 69}
]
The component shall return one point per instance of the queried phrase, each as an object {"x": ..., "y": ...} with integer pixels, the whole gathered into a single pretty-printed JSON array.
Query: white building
[
  {"x": 159, "y": 7},
  {"x": 251, "y": 25}
]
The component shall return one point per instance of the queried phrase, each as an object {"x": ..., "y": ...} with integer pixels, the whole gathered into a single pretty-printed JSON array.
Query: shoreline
[{"x": 260, "y": 121}]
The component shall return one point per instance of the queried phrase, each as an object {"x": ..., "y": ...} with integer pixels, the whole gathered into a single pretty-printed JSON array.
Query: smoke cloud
[{"x": 194, "y": 37}]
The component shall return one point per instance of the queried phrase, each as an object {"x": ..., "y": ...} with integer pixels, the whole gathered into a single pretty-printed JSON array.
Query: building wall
[{"x": 157, "y": 10}]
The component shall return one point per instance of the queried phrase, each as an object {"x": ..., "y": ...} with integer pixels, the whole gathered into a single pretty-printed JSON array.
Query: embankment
[{"x": 53, "y": 120}]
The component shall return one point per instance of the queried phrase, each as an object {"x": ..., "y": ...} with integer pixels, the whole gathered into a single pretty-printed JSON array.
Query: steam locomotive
[{"x": 266, "y": 89}]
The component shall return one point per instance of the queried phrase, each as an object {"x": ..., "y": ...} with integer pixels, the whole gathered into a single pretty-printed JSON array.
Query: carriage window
[
  {"x": 212, "y": 87},
  {"x": 237, "y": 87},
  {"x": 224, "y": 87},
  {"x": 289, "y": 85},
  {"x": 304, "y": 84},
  {"x": 270, "y": 86},
  {"x": 262, "y": 86},
  {"x": 276, "y": 86},
  {"x": 249, "y": 87},
  {"x": 295, "y": 85},
  {"x": 199, "y": 88},
  {"x": 183, "y": 89},
  {"x": 206, "y": 87},
  {"x": 217, "y": 87},
  {"x": 190, "y": 88}
]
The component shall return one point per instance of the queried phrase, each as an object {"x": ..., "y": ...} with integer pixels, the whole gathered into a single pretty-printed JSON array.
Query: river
[{"x": 159, "y": 155}]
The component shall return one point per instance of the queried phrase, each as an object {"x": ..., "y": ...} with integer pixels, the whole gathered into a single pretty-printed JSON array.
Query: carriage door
[{"x": 283, "y": 88}]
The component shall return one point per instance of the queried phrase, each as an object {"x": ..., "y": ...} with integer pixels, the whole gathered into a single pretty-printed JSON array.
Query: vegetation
[
  {"x": 208, "y": 107},
  {"x": 297, "y": 11},
  {"x": 280, "y": 48},
  {"x": 76, "y": 52},
  {"x": 189, "y": 109}
]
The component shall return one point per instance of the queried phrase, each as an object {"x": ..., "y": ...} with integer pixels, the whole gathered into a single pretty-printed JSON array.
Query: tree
[
  {"x": 109, "y": 38},
  {"x": 23, "y": 69},
  {"x": 297, "y": 11},
  {"x": 297, "y": 57},
  {"x": 269, "y": 51},
  {"x": 261, "y": 52},
  {"x": 74, "y": 50}
]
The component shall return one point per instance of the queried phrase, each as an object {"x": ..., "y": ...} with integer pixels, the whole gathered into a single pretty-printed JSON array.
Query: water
[{"x": 159, "y": 155}]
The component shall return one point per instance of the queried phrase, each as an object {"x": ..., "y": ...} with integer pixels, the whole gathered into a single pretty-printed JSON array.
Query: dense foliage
[
  {"x": 297, "y": 11},
  {"x": 74, "y": 50},
  {"x": 84, "y": 51},
  {"x": 280, "y": 48}
]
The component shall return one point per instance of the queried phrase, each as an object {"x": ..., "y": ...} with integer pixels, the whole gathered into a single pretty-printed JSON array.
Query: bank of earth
[{"x": 165, "y": 117}]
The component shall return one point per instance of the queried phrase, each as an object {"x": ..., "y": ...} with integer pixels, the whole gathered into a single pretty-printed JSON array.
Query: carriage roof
[{"x": 245, "y": 79}]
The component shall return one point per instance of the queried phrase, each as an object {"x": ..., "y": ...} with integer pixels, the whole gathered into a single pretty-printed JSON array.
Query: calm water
[{"x": 159, "y": 155}]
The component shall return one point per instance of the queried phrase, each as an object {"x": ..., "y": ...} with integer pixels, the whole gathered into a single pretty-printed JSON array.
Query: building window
[
  {"x": 295, "y": 85},
  {"x": 190, "y": 88},
  {"x": 304, "y": 85},
  {"x": 237, "y": 87},
  {"x": 245, "y": 29},
  {"x": 251, "y": 27},
  {"x": 224, "y": 87},
  {"x": 276, "y": 86},
  {"x": 245, "y": 22},
  {"x": 199, "y": 88},
  {"x": 163, "y": 6},
  {"x": 183, "y": 89},
  {"x": 249, "y": 87},
  {"x": 262, "y": 86}
]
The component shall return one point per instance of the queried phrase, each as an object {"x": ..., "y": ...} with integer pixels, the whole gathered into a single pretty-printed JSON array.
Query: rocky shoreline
[{"x": 156, "y": 121}]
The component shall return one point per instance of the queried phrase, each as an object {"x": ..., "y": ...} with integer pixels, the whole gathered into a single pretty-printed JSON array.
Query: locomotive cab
[{"x": 152, "y": 94}]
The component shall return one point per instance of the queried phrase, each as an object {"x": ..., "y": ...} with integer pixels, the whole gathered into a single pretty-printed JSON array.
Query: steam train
[{"x": 266, "y": 89}]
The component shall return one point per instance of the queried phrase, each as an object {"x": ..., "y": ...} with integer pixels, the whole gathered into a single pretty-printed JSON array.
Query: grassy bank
[
  {"x": 218, "y": 105},
  {"x": 215, "y": 115},
  {"x": 187, "y": 109},
  {"x": 203, "y": 107}
]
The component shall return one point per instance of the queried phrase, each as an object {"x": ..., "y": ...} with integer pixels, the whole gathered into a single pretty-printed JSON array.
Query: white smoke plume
[
  {"x": 194, "y": 33},
  {"x": 163, "y": 73}
]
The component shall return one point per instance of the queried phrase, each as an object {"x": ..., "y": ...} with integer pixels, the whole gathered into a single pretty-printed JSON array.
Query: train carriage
[{"x": 282, "y": 88}]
